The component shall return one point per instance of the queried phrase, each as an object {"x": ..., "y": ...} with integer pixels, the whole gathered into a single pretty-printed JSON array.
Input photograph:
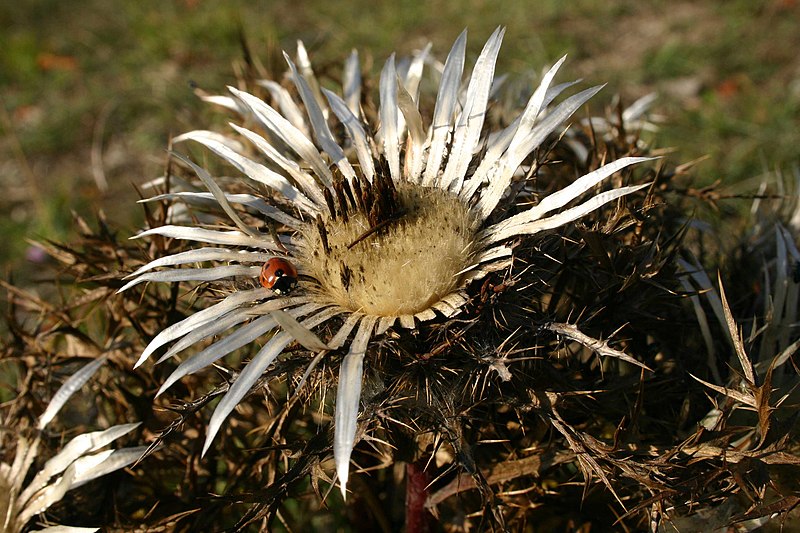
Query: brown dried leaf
[
  {"x": 744, "y": 360},
  {"x": 747, "y": 399},
  {"x": 571, "y": 331}
]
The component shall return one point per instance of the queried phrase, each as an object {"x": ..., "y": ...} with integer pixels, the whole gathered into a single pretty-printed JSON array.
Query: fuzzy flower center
[{"x": 398, "y": 262}]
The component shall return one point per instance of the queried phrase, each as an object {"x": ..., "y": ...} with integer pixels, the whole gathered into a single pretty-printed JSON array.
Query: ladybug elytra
[{"x": 278, "y": 275}]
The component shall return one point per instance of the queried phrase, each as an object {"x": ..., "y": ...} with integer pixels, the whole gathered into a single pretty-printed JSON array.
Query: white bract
[
  {"x": 80, "y": 461},
  {"x": 384, "y": 229}
]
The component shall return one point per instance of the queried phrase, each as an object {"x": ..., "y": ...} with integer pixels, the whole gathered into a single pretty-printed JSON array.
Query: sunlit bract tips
[{"x": 385, "y": 218}]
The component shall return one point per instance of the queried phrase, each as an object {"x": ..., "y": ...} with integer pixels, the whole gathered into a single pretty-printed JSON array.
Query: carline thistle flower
[{"x": 384, "y": 229}]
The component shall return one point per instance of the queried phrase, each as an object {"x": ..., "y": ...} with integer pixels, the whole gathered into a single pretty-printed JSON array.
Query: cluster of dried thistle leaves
[{"x": 603, "y": 379}]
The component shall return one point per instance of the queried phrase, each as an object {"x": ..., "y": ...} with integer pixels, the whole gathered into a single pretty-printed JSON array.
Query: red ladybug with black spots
[{"x": 279, "y": 276}]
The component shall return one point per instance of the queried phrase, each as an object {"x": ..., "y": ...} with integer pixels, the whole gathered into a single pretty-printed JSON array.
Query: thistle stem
[{"x": 418, "y": 519}]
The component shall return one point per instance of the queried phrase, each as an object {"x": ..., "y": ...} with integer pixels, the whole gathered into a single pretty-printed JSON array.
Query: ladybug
[{"x": 278, "y": 275}]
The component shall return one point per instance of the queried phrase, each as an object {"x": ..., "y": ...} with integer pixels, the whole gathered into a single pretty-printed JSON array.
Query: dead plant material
[{"x": 518, "y": 423}]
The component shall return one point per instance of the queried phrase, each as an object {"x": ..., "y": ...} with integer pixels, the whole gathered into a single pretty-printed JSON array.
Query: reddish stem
[{"x": 418, "y": 519}]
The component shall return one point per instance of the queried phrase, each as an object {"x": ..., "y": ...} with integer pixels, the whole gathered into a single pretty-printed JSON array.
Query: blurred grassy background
[{"x": 91, "y": 91}]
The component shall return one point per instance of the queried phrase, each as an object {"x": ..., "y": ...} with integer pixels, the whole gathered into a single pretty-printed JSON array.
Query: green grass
[{"x": 124, "y": 81}]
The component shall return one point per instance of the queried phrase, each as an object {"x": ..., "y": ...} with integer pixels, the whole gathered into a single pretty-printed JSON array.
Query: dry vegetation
[
  {"x": 634, "y": 372},
  {"x": 601, "y": 382}
]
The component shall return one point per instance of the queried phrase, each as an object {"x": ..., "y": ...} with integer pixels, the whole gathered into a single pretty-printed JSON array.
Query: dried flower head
[{"x": 384, "y": 228}]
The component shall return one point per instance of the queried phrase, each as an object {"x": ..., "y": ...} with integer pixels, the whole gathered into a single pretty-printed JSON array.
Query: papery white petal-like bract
[
  {"x": 348, "y": 395},
  {"x": 70, "y": 387}
]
